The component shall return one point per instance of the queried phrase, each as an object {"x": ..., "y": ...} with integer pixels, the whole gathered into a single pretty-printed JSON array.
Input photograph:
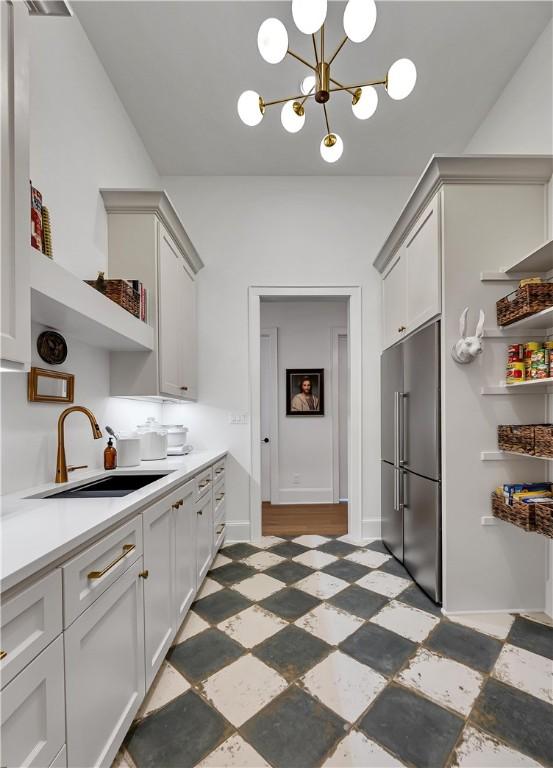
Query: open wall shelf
[
  {"x": 533, "y": 387},
  {"x": 510, "y": 456},
  {"x": 538, "y": 262}
]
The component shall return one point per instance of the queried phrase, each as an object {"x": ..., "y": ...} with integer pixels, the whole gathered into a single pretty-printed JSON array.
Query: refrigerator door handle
[
  {"x": 400, "y": 429},
  {"x": 396, "y": 428},
  {"x": 396, "y": 494}
]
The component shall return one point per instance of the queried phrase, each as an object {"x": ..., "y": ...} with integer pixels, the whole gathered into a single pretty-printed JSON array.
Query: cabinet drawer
[
  {"x": 91, "y": 572},
  {"x": 219, "y": 502},
  {"x": 219, "y": 470},
  {"x": 219, "y": 536},
  {"x": 30, "y": 620},
  {"x": 33, "y": 712},
  {"x": 203, "y": 481}
]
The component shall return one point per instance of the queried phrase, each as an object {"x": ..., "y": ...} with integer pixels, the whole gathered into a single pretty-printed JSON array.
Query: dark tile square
[
  {"x": 294, "y": 730},
  {"x": 232, "y": 573},
  {"x": 359, "y": 601},
  {"x": 415, "y": 729},
  {"x": 414, "y": 596},
  {"x": 517, "y": 718},
  {"x": 377, "y": 546},
  {"x": 219, "y": 606},
  {"x": 532, "y": 636},
  {"x": 465, "y": 645},
  {"x": 288, "y": 571},
  {"x": 338, "y": 548},
  {"x": 239, "y": 551},
  {"x": 345, "y": 569},
  {"x": 395, "y": 568},
  {"x": 204, "y": 654},
  {"x": 379, "y": 648},
  {"x": 288, "y": 549},
  {"x": 292, "y": 651},
  {"x": 290, "y": 603},
  {"x": 179, "y": 735}
]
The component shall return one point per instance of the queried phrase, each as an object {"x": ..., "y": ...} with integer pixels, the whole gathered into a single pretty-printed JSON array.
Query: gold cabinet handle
[
  {"x": 402, "y": 328},
  {"x": 220, "y": 529},
  {"x": 178, "y": 504},
  {"x": 144, "y": 574},
  {"x": 98, "y": 574},
  {"x": 220, "y": 497},
  {"x": 218, "y": 471},
  {"x": 3, "y": 654},
  {"x": 205, "y": 482},
  {"x": 184, "y": 389}
]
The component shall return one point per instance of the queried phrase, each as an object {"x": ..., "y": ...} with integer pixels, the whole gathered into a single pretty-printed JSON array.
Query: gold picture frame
[{"x": 47, "y": 386}]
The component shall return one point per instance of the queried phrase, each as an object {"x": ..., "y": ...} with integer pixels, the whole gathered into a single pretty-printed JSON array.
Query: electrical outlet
[
  {"x": 238, "y": 417},
  {"x": 296, "y": 479}
]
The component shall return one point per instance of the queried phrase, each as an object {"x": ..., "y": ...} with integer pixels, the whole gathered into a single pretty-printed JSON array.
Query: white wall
[
  {"x": 305, "y": 444},
  {"x": 280, "y": 231},
  {"x": 521, "y": 120}
]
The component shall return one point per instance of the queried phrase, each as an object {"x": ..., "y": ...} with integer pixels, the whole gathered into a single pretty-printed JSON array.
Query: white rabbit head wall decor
[{"x": 467, "y": 349}]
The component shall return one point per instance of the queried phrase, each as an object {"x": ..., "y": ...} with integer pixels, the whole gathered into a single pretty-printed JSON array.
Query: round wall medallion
[{"x": 52, "y": 347}]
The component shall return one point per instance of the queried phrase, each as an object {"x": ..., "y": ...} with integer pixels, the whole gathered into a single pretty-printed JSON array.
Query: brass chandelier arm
[
  {"x": 343, "y": 87},
  {"x": 316, "y": 51},
  {"x": 353, "y": 88},
  {"x": 303, "y": 61},
  {"x": 326, "y": 121},
  {"x": 337, "y": 51},
  {"x": 289, "y": 98},
  {"x": 322, "y": 44}
]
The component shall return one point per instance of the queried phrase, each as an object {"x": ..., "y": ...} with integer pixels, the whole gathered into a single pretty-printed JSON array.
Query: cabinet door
[
  {"x": 104, "y": 671},
  {"x": 204, "y": 548},
  {"x": 188, "y": 337},
  {"x": 33, "y": 712},
  {"x": 159, "y": 614},
  {"x": 185, "y": 553},
  {"x": 15, "y": 226},
  {"x": 422, "y": 254},
  {"x": 394, "y": 300}
]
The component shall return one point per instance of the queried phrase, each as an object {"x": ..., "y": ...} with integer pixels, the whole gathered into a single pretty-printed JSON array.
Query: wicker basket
[
  {"x": 543, "y": 440},
  {"x": 524, "y": 302},
  {"x": 516, "y": 439},
  {"x": 120, "y": 292},
  {"x": 517, "y": 513},
  {"x": 544, "y": 519}
]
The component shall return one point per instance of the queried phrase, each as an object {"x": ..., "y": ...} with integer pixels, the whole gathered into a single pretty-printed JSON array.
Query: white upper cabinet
[
  {"x": 394, "y": 300},
  {"x": 147, "y": 242},
  {"x": 15, "y": 206}
]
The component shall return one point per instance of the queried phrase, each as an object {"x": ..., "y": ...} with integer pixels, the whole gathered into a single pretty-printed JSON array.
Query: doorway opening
[{"x": 305, "y": 374}]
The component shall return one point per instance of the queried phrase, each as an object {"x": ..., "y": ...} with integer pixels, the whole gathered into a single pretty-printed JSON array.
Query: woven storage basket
[
  {"x": 543, "y": 440},
  {"x": 544, "y": 519},
  {"x": 120, "y": 292},
  {"x": 516, "y": 439},
  {"x": 517, "y": 513},
  {"x": 524, "y": 302}
]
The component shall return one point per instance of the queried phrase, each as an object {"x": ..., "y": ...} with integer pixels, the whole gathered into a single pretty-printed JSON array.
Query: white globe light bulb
[
  {"x": 332, "y": 147},
  {"x": 359, "y": 19},
  {"x": 292, "y": 116},
  {"x": 250, "y": 108},
  {"x": 365, "y": 102},
  {"x": 309, "y": 15},
  {"x": 307, "y": 84},
  {"x": 402, "y": 77},
  {"x": 272, "y": 40}
]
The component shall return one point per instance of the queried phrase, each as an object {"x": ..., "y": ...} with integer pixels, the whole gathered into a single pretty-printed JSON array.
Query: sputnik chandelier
[{"x": 309, "y": 17}]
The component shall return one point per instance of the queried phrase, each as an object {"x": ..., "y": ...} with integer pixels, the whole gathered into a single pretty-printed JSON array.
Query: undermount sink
[{"x": 107, "y": 487}]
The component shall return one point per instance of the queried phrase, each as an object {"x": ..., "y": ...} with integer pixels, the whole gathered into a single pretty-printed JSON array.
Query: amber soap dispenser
[{"x": 110, "y": 456}]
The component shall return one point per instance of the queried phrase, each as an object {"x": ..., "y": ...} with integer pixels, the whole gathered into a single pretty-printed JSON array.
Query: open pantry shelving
[{"x": 536, "y": 263}]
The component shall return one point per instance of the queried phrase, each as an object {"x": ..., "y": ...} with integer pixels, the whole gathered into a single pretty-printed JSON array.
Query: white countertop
[{"x": 38, "y": 532}]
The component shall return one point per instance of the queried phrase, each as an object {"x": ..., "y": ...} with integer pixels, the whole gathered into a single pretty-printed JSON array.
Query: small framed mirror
[{"x": 46, "y": 386}]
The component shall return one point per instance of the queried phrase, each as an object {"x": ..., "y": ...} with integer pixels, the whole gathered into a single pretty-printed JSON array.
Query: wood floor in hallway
[{"x": 295, "y": 519}]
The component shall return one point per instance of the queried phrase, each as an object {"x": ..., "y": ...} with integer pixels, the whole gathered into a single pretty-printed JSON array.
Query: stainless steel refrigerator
[{"x": 411, "y": 460}]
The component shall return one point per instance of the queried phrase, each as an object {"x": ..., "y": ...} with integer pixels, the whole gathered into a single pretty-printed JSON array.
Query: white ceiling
[{"x": 179, "y": 67}]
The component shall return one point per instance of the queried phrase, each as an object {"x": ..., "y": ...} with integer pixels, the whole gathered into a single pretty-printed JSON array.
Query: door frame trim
[
  {"x": 335, "y": 334},
  {"x": 272, "y": 335},
  {"x": 355, "y": 348}
]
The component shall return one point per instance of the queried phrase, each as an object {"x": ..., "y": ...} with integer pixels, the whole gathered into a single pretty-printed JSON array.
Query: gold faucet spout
[{"x": 61, "y": 464}]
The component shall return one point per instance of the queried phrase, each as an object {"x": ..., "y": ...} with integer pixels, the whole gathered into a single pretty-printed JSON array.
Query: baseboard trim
[
  {"x": 484, "y": 611},
  {"x": 370, "y": 529},
  {"x": 306, "y": 496},
  {"x": 237, "y": 530}
]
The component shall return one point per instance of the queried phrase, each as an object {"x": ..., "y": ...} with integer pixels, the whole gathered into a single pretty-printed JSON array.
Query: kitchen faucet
[{"x": 61, "y": 467}]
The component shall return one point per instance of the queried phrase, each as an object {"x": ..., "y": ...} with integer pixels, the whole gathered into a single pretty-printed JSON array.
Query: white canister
[
  {"x": 153, "y": 440},
  {"x": 176, "y": 434},
  {"x": 128, "y": 450}
]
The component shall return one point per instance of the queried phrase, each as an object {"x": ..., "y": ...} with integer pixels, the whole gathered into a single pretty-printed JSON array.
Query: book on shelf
[{"x": 139, "y": 288}]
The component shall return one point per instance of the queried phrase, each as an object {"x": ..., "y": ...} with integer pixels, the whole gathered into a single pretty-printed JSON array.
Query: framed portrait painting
[{"x": 305, "y": 392}]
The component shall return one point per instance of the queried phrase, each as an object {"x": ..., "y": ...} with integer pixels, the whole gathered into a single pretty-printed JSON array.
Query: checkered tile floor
[{"x": 315, "y": 651}]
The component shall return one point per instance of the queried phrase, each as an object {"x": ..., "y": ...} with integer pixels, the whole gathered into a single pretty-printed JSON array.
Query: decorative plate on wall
[{"x": 52, "y": 347}]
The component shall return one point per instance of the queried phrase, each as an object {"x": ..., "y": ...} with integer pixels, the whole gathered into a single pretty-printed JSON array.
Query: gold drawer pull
[
  {"x": 178, "y": 504},
  {"x": 205, "y": 482},
  {"x": 402, "y": 328},
  {"x": 98, "y": 574},
  {"x": 144, "y": 574},
  {"x": 220, "y": 529},
  {"x": 218, "y": 471},
  {"x": 220, "y": 497},
  {"x": 3, "y": 654}
]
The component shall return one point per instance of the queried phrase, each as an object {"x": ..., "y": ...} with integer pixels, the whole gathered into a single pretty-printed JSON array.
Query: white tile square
[
  {"x": 263, "y": 560},
  {"x": 443, "y": 680},
  {"x": 526, "y": 671},
  {"x": 354, "y": 541},
  {"x": 494, "y": 624},
  {"x": 167, "y": 685},
  {"x": 405, "y": 620},
  {"x": 219, "y": 561},
  {"x": 311, "y": 541},
  {"x": 329, "y": 623},
  {"x": 368, "y": 557},
  {"x": 478, "y": 750},
  {"x": 359, "y": 751},
  {"x": 234, "y": 753},
  {"x": 242, "y": 688},
  {"x": 384, "y": 583},
  {"x": 258, "y": 587},
  {"x": 192, "y": 625},
  {"x": 267, "y": 541},
  {"x": 252, "y": 626},
  {"x": 344, "y": 685},
  {"x": 208, "y": 587},
  {"x": 321, "y": 585},
  {"x": 314, "y": 559}
]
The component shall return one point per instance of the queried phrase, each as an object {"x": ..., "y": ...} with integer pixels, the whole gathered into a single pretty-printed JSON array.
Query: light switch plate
[{"x": 238, "y": 417}]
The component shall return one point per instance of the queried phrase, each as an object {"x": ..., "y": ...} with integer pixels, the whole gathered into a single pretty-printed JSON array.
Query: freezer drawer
[
  {"x": 422, "y": 550},
  {"x": 392, "y": 515}
]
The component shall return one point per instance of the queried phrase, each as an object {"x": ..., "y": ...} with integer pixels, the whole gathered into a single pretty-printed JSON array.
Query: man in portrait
[{"x": 305, "y": 400}]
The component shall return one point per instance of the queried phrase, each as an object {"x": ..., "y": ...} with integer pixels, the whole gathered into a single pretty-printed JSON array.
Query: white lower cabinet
[
  {"x": 33, "y": 721},
  {"x": 104, "y": 671},
  {"x": 204, "y": 532},
  {"x": 185, "y": 553}
]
